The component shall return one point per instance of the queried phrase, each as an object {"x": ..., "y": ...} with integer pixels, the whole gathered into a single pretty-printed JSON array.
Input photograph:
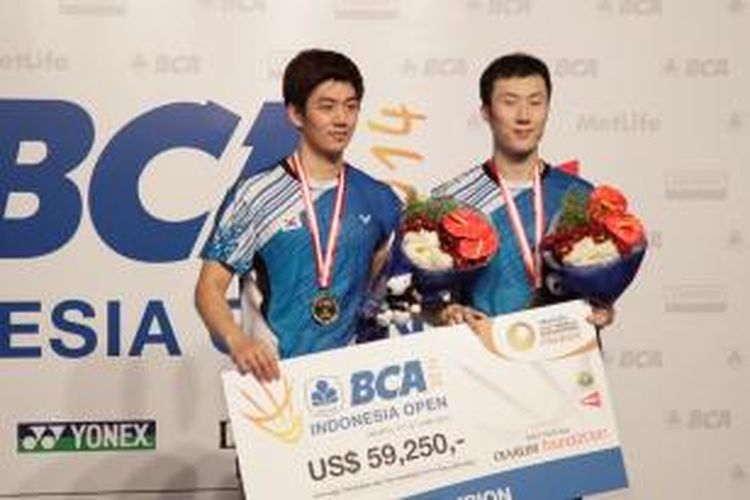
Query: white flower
[
  {"x": 423, "y": 249},
  {"x": 586, "y": 252}
]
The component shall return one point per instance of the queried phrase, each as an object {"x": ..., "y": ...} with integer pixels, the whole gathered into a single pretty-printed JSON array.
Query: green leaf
[{"x": 574, "y": 210}]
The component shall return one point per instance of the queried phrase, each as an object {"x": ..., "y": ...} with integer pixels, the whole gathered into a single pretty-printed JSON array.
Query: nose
[
  {"x": 523, "y": 113},
  {"x": 341, "y": 115}
]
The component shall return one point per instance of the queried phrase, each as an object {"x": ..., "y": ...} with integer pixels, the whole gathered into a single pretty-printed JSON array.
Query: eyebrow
[
  {"x": 514, "y": 94},
  {"x": 330, "y": 100}
]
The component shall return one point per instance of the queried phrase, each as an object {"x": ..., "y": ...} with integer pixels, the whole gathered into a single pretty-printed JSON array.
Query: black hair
[
  {"x": 509, "y": 66},
  {"x": 310, "y": 68}
]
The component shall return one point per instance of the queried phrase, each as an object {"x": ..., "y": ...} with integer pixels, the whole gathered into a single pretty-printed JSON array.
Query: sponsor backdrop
[{"x": 122, "y": 122}]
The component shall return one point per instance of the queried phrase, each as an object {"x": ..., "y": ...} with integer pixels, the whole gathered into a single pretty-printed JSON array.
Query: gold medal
[{"x": 325, "y": 308}]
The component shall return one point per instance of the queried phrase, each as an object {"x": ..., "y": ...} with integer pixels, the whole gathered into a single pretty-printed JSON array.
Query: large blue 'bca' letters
[
  {"x": 119, "y": 216},
  {"x": 67, "y": 132},
  {"x": 116, "y": 208}
]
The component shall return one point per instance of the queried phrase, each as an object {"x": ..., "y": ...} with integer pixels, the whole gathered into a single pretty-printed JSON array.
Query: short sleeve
[
  {"x": 233, "y": 239},
  {"x": 392, "y": 208}
]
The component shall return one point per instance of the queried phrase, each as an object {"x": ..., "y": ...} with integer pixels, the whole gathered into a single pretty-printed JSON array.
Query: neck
[
  {"x": 320, "y": 167},
  {"x": 516, "y": 168}
]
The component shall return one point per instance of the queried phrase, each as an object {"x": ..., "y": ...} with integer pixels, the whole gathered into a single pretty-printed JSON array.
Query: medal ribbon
[
  {"x": 531, "y": 260},
  {"x": 324, "y": 266}
]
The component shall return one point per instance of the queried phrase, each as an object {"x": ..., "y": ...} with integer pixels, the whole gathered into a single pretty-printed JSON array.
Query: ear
[
  {"x": 295, "y": 116},
  {"x": 485, "y": 110}
]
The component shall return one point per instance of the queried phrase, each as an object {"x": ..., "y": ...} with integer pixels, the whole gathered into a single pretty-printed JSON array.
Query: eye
[{"x": 326, "y": 107}]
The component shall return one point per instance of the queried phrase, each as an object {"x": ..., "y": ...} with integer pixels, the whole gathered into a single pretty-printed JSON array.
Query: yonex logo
[{"x": 46, "y": 437}]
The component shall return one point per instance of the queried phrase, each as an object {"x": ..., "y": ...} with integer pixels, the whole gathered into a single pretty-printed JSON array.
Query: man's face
[
  {"x": 517, "y": 114},
  {"x": 329, "y": 119}
]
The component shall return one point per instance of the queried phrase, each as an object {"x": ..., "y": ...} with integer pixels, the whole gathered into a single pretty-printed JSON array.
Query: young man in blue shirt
[
  {"x": 516, "y": 189},
  {"x": 310, "y": 230}
]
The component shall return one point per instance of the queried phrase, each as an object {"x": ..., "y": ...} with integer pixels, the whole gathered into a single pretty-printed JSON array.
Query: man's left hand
[{"x": 601, "y": 316}]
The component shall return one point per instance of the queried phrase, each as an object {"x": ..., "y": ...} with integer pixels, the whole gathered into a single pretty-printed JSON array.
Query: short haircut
[
  {"x": 516, "y": 65},
  {"x": 310, "y": 68}
]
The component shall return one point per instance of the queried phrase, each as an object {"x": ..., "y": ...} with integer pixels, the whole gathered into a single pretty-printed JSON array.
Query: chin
[
  {"x": 521, "y": 153},
  {"x": 334, "y": 153}
]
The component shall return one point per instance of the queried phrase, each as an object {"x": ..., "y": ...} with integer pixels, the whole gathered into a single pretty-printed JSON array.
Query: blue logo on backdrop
[
  {"x": 66, "y": 130},
  {"x": 120, "y": 219},
  {"x": 76, "y": 337}
]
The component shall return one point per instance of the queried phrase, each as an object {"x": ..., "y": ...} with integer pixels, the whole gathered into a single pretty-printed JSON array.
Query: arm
[
  {"x": 379, "y": 259},
  {"x": 249, "y": 353}
]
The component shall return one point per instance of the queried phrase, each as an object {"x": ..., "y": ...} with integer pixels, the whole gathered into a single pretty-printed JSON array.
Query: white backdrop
[{"x": 99, "y": 326}]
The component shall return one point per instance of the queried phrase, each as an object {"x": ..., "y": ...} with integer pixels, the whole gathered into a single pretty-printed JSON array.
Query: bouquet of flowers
[
  {"x": 595, "y": 247},
  {"x": 440, "y": 235},
  {"x": 440, "y": 242}
]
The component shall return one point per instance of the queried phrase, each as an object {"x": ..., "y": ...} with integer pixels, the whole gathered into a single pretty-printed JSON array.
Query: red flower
[
  {"x": 465, "y": 223},
  {"x": 477, "y": 249},
  {"x": 605, "y": 201},
  {"x": 471, "y": 235},
  {"x": 626, "y": 229}
]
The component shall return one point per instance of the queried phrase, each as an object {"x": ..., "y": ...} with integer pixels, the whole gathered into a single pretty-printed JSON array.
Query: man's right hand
[
  {"x": 455, "y": 314},
  {"x": 479, "y": 322},
  {"x": 255, "y": 356}
]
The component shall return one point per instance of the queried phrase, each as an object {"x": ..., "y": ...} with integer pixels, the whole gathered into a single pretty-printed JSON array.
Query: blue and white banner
[
  {"x": 124, "y": 122},
  {"x": 523, "y": 413}
]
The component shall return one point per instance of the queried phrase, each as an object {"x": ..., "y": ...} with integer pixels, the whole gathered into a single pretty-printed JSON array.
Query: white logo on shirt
[{"x": 365, "y": 218}]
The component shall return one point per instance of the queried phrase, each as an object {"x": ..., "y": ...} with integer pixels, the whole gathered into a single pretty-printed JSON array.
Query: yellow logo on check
[{"x": 276, "y": 414}]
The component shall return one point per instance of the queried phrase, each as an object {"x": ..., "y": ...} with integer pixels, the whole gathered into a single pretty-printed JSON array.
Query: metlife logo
[
  {"x": 86, "y": 436},
  {"x": 36, "y": 60}
]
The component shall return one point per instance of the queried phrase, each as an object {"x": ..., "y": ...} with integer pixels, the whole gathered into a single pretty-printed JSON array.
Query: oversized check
[{"x": 521, "y": 412}]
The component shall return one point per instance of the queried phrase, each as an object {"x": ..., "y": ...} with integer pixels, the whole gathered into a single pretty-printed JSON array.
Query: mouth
[
  {"x": 523, "y": 134},
  {"x": 339, "y": 136}
]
